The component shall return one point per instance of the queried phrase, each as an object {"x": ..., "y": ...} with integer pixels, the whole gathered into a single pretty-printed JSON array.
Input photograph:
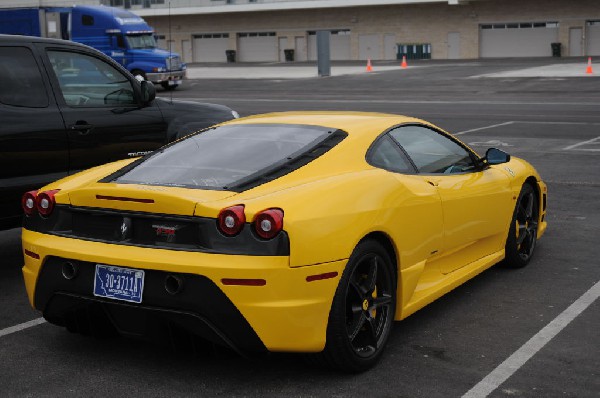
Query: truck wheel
[{"x": 166, "y": 86}]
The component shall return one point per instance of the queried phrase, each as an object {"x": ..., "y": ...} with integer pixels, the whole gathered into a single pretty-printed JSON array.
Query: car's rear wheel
[
  {"x": 363, "y": 310},
  {"x": 522, "y": 236}
]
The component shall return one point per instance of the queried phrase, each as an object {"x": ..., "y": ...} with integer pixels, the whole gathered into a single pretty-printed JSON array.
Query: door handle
[
  {"x": 81, "y": 127},
  {"x": 433, "y": 182}
]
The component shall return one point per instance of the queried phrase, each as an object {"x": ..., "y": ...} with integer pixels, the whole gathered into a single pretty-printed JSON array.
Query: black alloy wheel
[
  {"x": 363, "y": 310},
  {"x": 522, "y": 236}
]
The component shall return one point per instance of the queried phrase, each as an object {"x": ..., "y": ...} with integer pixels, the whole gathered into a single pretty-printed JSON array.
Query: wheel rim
[
  {"x": 368, "y": 305},
  {"x": 526, "y": 225}
]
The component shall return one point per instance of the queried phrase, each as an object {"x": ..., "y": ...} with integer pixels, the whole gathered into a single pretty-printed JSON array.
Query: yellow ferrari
[{"x": 298, "y": 232}]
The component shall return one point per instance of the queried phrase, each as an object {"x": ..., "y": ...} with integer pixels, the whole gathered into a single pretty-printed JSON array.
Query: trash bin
[
  {"x": 556, "y": 47},
  {"x": 230, "y": 54},
  {"x": 289, "y": 54}
]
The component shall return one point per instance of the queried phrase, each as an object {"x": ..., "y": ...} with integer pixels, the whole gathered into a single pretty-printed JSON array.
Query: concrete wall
[
  {"x": 409, "y": 23},
  {"x": 424, "y": 23}
]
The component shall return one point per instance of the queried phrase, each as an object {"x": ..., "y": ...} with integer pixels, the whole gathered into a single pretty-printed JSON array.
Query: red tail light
[
  {"x": 231, "y": 220},
  {"x": 268, "y": 223},
  {"x": 28, "y": 202},
  {"x": 45, "y": 202}
]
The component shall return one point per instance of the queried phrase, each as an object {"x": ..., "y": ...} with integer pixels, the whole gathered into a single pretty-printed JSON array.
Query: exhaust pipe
[
  {"x": 173, "y": 284},
  {"x": 69, "y": 270}
]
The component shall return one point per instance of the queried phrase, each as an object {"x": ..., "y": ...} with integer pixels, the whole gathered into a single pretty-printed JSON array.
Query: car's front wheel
[
  {"x": 363, "y": 310},
  {"x": 168, "y": 86},
  {"x": 522, "y": 236}
]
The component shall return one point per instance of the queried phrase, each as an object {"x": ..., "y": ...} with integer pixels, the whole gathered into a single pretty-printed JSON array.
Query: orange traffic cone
[
  {"x": 369, "y": 67},
  {"x": 404, "y": 64},
  {"x": 589, "y": 70}
]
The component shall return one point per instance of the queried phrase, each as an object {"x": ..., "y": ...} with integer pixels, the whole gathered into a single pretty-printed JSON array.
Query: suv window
[
  {"x": 87, "y": 81},
  {"x": 21, "y": 82},
  {"x": 433, "y": 152}
]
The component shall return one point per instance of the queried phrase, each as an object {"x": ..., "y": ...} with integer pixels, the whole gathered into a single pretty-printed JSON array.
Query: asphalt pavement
[{"x": 531, "y": 332}]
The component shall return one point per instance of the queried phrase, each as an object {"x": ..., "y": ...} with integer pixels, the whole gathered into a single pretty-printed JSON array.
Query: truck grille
[{"x": 174, "y": 63}]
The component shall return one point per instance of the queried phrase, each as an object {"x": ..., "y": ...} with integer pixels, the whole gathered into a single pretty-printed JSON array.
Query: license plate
[
  {"x": 119, "y": 283},
  {"x": 174, "y": 82}
]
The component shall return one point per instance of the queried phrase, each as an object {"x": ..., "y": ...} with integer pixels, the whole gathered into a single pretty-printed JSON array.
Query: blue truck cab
[{"x": 120, "y": 34}]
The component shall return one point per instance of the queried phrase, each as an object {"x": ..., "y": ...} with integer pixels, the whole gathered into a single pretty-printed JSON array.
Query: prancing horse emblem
[{"x": 126, "y": 228}]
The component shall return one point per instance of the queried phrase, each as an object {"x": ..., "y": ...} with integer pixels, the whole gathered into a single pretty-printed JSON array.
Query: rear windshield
[{"x": 228, "y": 156}]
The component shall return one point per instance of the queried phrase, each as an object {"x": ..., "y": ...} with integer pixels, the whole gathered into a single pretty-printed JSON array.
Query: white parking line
[
  {"x": 21, "y": 326},
  {"x": 588, "y": 142},
  {"x": 536, "y": 343},
  {"x": 483, "y": 128},
  {"x": 559, "y": 123}
]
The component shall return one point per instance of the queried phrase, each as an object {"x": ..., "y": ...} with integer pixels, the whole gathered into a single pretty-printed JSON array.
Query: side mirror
[
  {"x": 148, "y": 92},
  {"x": 496, "y": 156}
]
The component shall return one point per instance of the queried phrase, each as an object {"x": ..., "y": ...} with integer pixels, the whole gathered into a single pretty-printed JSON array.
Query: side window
[
  {"x": 87, "y": 81},
  {"x": 433, "y": 152},
  {"x": 21, "y": 83},
  {"x": 386, "y": 154},
  {"x": 87, "y": 20},
  {"x": 121, "y": 41}
]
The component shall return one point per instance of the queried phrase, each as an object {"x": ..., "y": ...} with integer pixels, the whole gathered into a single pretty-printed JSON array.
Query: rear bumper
[
  {"x": 288, "y": 313},
  {"x": 200, "y": 308}
]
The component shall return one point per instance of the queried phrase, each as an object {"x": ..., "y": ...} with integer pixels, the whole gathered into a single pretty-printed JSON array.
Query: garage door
[
  {"x": 257, "y": 47},
  {"x": 210, "y": 47},
  {"x": 390, "y": 48},
  {"x": 593, "y": 38},
  {"x": 523, "y": 39},
  {"x": 339, "y": 45},
  {"x": 369, "y": 47}
]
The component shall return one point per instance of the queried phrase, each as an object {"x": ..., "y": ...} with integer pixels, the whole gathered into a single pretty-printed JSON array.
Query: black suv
[{"x": 66, "y": 107}]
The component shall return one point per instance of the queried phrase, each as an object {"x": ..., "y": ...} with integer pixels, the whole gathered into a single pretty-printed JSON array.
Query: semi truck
[{"x": 118, "y": 33}]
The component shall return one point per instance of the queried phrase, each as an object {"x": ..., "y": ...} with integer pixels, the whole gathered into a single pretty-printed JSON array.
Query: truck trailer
[{"x": 120, "y": 34}]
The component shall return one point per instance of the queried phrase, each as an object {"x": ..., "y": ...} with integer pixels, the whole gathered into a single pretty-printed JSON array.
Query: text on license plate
[{"x": 119, "y": 283}]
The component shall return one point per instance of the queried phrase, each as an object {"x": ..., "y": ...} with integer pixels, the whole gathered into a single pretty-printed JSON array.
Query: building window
[
  {"x": 211, "y": 36},
  {"x": 256, "y": 34},
  {"x": 339, "y": 32},
  {"x": 520, "y": 25}
]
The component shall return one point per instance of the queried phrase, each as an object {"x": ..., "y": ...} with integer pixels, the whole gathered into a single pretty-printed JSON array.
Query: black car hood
[{"x": 186, "y": 117}]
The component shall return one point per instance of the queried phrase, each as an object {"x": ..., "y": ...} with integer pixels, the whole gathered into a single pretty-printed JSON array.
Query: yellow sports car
[{"x": 299, "y": 232}]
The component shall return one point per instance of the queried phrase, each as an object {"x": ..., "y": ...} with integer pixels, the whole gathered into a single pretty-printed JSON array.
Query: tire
[
  {"x": 168, "y": 87},
  {"x": 522, "y": 235},
  {"x": 362, "y": 312}
]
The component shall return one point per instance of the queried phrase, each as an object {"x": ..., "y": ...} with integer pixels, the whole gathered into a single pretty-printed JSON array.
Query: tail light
[
  {"x": 45, "y": 202},
  {"x": 231, "y": 220},
  {"x": 28, "y": 202},
  {"x": 268, "y": 223}
]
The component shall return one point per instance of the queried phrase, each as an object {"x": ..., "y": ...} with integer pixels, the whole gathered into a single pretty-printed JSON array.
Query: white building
[{"x": 260, "y": 30}]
